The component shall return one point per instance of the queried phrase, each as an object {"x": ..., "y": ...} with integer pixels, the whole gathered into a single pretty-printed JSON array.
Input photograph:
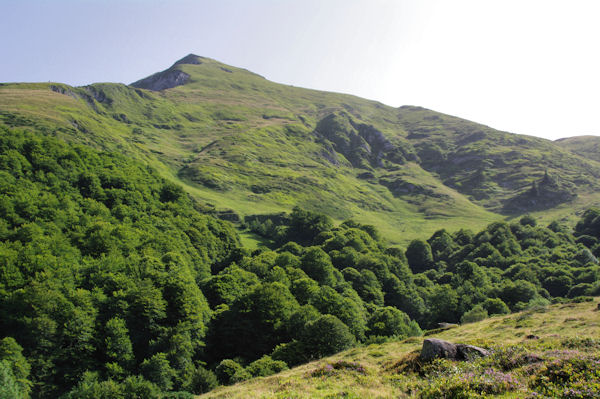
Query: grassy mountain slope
[
  {"x": 238, "y": 141},
  {"x": 568, "y": 336},
  {"x": 586, "y": 146}
]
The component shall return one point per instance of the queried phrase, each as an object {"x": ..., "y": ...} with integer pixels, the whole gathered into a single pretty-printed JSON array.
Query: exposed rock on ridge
[
  {"x": 163, "y": 80},
  {"x": 362, "y": 145},
  {"x": 545, "y": 193},
  {"x": 169, "y": 78}
]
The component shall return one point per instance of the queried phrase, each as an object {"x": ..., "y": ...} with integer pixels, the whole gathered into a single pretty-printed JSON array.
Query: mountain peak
[
  {"x": 190, "y": 59},
  {"x": 180, "y": 74},
  {"x": 171, "y": 77}
]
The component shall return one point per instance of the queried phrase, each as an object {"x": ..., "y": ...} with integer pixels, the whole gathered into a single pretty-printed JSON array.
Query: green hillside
[
  {"x": 586, "y": 146},
  {"x": 561, "y": 361},
  {"x": 238, "y": 142}
]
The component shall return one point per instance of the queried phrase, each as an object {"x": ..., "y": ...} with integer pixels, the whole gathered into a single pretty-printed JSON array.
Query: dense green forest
[{"x": 114, "y": 283}]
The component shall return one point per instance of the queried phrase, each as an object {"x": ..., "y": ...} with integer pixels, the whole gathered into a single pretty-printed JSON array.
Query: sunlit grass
[
  {"x": 554, "y": 326},
  {"x": 254, "y": 140}
]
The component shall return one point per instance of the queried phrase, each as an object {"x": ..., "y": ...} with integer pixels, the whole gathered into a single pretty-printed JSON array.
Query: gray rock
[
  {"x": 469, "y": 352},
  {"x": 436, "y": 348},
  {"x": 163, "y": 80},
  {"x": 169, "y": 78}
]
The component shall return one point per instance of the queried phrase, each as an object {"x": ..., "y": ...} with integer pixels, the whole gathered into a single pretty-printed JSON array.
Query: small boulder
[
  {"x": 434, "y": 348},
  {"x": 437, "y": 348},
  {"x": 469, "y": 352}
]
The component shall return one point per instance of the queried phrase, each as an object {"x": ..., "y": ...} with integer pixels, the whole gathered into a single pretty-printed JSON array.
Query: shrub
[
  {"x": 326, "y": 336},
  {"x": 240, "y": 375},
  {"x": 89, "y": 387},
  {"x": 158, "y": 370},
  {"x": 477, "y": 313},
  {"x": 9, "y": 388},
  {"x": 471, "y": 384},
  {"x": 292, "y": 353},
  {"x": 581, "y": 343},
  {"x": 203, "y": 380},
  {"x": 265, "y": 366},
  {"x": 226, "y": 370},
  {"x": 528, "y": 220},
  {"x": 579, "y": 290},
  {"x": 495, "y": 306},
  {"x": 177, "y": 395},
  {"x": 575, "y": 377},
  {"x": 508, "y": 358},
  {"x": 11, "y": 355},
  {"x": 335, "y": 368},
  {"x": 419, "y": 256},
  {"x": 389, "y": 321},
  {"x": 136, "y": 387}
]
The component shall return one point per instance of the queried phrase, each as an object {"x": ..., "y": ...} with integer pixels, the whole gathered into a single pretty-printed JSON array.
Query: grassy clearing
[{"x": 565, "y": 332}]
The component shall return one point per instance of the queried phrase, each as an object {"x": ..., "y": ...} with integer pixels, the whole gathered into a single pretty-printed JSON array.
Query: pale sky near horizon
[{"x": 527, "y": 66}]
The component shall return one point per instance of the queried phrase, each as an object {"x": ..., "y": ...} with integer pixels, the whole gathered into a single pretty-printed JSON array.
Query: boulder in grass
[
  {"x": 434, "y": 348},
  {"x": 437, "y": 348},
  {"x": 469, "y": 352}
]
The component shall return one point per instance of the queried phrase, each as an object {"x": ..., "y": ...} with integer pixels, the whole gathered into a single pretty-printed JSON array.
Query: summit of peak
[{"x": 190, "y": 59}]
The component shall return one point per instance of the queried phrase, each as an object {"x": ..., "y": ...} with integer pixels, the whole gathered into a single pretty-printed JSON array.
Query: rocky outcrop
[
  {"x": 171, "y": 77},
  {"x": 229, "y": 215},
  {"x": 437, "y": 348},
  {"x": 545, "y": 193},
  {"x": 275, "y": 218},
  {"x": 328, "y": 152},
  {"x": 468, "y": 352},
  {"x": 163, "y": 80},
  {"x": 64, "y": 90},
  {"x": 98, "y": 94},
  {"x": 400, "y": 187},
  {"x": 361, "y": 144}
]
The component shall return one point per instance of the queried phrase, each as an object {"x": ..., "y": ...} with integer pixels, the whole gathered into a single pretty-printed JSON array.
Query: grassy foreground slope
[
  {"x": 241, "y": 142},
  {"x": 548, "y": 352}
]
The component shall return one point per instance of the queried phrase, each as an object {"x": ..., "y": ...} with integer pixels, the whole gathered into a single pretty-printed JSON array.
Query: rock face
[
  {"x": 362, "y": 145},
  {"x": 436, "y": 348},
  {"x": 171, "y": 77},
  {"x": 543, "y": 194},
  {"x": 163, "y": 80}
]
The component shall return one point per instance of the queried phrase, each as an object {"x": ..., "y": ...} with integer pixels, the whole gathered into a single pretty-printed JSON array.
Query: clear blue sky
[{"x": 529, "y": 67}]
